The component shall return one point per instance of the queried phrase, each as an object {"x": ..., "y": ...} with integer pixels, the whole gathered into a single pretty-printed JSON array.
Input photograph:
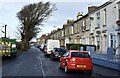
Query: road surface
[{"x": 34, "y": 63}]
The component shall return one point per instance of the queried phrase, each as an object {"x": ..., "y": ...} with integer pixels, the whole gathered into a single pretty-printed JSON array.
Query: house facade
[
  {"x": 97, "y": 27},
  {"x": 104, "y": 30},
  {"x": 42, "y": 39},
  {"x": 83, "y": 30},
  {"x": 68, "y": 32}
]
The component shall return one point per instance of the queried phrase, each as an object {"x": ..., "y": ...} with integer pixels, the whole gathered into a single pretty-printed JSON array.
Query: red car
[{"x": 76, "y": 60}]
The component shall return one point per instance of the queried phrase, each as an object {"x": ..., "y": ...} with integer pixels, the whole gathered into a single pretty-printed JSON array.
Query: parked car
[
  {"x": 41, "y": 46},
  {"x": 44, "y": 48},
  {"x": 38, "y": 46},
  {"x": 50, "y": 45},
  {"x": 57, "y": 53},
  {"x": 76, "y": 60}
]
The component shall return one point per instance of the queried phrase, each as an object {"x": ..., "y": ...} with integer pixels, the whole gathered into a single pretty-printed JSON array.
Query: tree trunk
[{"x": 24, "y": 45}]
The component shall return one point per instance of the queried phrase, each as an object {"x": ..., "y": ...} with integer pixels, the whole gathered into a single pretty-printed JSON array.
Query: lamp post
[{"x": 1, "y": 31}]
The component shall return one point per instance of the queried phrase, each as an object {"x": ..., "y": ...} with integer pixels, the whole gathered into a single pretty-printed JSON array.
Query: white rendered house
[{"x": 103, "y": 28}]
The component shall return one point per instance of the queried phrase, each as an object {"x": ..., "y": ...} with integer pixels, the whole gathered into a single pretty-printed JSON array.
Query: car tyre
[
  {"x": 66, "y": 69},
  {"x": 46, "y": 55},
  {"x": 89, "y": 72},
  {"x": 52, "y": 58},
  {"x": 60, "y": 66}
]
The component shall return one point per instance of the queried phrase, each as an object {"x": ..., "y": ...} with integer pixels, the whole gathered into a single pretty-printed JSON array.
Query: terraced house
[
  {"x": 42, "y": 39},
  {"x": 97, "y": 27},
  {"x": 68, "y": 31},
  {"x": 104, "y": 30},
  {"x": 81, "y": 34},
  {"x": 77, "y": 29},
  {"x": 100, "y": 27}
]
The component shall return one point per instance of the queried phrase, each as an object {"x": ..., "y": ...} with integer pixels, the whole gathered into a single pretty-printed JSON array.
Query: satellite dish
[
  {"x": 118, "y": 22},
  {"x": 91, "y": 18}
]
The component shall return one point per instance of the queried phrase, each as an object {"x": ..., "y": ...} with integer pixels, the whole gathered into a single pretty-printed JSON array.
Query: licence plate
[{"x": 81, "y": 66}]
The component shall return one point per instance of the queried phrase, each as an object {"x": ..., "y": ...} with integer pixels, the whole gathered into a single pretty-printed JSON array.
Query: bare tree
[{"x": 31, "y": 17}]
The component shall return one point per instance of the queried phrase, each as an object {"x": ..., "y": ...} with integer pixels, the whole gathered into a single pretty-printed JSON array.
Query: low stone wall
[
  {"x": 106, "y": 60},
  {"x": 107, "y": 63}
]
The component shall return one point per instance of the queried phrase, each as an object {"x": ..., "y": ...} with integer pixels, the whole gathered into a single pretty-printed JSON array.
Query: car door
[{"x": 64, "y": 58}]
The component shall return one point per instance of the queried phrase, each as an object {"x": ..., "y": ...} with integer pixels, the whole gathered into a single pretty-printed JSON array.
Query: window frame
[{"x": 98, "y": 19}]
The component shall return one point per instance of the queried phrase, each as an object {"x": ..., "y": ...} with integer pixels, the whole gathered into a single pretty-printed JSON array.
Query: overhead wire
[{"x": 10, "y": 30}]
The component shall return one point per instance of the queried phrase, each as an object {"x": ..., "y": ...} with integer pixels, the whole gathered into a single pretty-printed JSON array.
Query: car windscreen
[
  {"x": 60, "y": 50},
  {"x": 80, "y": 54}
]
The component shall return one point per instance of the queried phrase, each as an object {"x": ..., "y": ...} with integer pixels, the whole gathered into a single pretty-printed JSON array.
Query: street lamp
[
  {"x": 5, "y": 30},
  {"x": 1, "y": 32}
]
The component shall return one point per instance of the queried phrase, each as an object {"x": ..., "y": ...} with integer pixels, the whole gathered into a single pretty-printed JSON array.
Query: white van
[{"x": 52, "y": 44}]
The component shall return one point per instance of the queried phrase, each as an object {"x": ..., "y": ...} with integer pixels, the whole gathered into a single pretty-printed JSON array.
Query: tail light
[
  {"x": 67, "y": 60},
  {"x": 9, "y": 55},
  {"x": 70, "y": 60}
]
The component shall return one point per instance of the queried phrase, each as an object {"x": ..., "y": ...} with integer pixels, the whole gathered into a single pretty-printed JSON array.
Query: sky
[{"x": 66, "y": 9}]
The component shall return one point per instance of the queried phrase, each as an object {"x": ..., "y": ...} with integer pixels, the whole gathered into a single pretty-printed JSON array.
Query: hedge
[{"x": 77, "y": 46}]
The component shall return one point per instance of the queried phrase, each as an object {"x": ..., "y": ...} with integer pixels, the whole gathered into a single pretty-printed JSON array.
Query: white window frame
[
  {"x": 98, "y": 42},
  {"x": 98, "y": 19},
  {"x": 105, "y": 17}
]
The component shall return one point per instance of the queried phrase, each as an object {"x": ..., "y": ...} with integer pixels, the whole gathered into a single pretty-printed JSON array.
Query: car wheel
[
  {"x": 51, "y": 56},
  {"x": 89, "y": 72},
  {"x": 45, "y": 55},
  {"x": 60, "y": 66},
  {"x": 66, "y": 69},
  {"x": 53, "y": 59},
  {"x": 15, "y": 54}
]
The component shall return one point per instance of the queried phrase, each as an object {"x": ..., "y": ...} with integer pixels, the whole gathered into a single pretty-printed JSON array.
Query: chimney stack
[
  {"x": 79, "y": 15},
  {"x": 91, "y": 8}
]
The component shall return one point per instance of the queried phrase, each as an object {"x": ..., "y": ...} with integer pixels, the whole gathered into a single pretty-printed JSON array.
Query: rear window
[{"x": 78, "y": 54}]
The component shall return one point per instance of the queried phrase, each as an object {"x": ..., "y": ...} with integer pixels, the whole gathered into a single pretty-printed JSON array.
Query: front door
[{"x": 119, "y": 43}]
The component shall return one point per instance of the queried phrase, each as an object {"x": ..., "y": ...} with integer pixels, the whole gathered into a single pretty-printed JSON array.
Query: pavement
[
  {"x": 0, "y": 66},
  {"x": 33, "y": 63}
]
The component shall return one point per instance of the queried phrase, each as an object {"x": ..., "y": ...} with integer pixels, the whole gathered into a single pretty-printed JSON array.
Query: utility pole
[{"x": 5, "y": 30}]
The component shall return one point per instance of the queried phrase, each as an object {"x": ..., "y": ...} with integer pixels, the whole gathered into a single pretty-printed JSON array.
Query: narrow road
[
  {"x": 34, "y": 63},
  {"x": 27, "y": 64}
]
